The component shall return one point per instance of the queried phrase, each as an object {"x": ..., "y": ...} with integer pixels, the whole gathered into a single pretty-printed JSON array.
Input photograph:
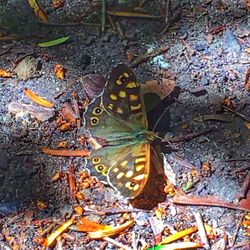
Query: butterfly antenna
[{"x": 157, "y": 122}]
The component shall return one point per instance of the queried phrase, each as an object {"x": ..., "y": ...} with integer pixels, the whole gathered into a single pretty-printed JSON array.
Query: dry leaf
[
  {"x": 162, "y": 89},
  {"x": 60, "y": 71},
  {"x": 38, "y": 99},
  {"x": 37, "y": 10},
  {"x": 26, "y": 68},
  {"x": 4, "y": 73}
]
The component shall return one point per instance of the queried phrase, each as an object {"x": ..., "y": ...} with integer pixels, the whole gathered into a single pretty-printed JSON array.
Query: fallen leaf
[
  {"x": 53, "y": 42},
  {"x": 59, "y": 71},
  {"x": 26, "y": 68},
  {"x": 38, "y": 10},
  {"x": 162, "y": 89},
  {"x": 4, "y": 73},
  {"x": 179, "y": 246},
  {"x": 40, "y": 113},
  {"x": 38, "y": 99}
]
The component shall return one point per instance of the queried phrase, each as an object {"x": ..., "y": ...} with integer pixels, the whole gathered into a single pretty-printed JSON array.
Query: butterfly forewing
[{"x": 122, "y": 97}]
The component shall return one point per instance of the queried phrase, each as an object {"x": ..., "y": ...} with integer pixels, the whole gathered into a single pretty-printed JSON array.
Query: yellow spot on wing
[
  {"x": 118, "y": 82},
  {"x": 131, "y": 85},
  {"x": 119, "y": 110},
  {"x": 141, "y": 159},
  {"x": 120, "y": 175},
  {"x": 110, "y": 106},
  {"x": 139, "y": 168},
  {"x": 122, "y": 94},
  {"x": 124, "y": 163},
  {"x": 135, "y": 107},
  {"x": 113, "y": 97},
  {"x": 126, "y": 74},
  {"x": 129, "y": 174},
  {"x": 133, "y": 97},
  {"x": 139, "y": 177},
  {"x": 115, "y": 170}
]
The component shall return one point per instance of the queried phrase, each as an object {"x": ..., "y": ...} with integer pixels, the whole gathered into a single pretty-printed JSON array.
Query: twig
[
  {"x": 190, "y": 136},
  {"x": 62, "y": 92},
  {"x": 112, "y": 211},
  {"x": 116, "y": 243},
  {"x": 236, "y": 113},
  {"x": 238, "y": 159},
  {"x": 74, "y": 24},
  {"x": 142, "y": 3},
  {"x": 244, "y": 188},
  {"x": 5, "y": 51},
  {"x": 201, "y": 230},
  {"x": 147, "y": 56},
  {"x": 237, "y": 229},
  {"x": 103, "y": 20}
]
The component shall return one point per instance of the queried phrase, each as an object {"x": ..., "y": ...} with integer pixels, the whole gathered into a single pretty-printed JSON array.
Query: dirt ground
[{"x": 206, "y": 58}]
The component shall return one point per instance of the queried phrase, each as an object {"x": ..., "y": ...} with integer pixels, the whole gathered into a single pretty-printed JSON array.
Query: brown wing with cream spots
[
  {"x": 129, "y": 174},
  {"x": 122, "y": 96}
]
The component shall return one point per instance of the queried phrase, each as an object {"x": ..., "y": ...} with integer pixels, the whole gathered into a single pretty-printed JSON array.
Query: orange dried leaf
[
  {"x": 4, "y": 73},
  {"x": 179, "y": 235},
  {"x": 66, "y": 153},
  {"x": 37, "y": 10},
  {"x": 86, "y": 225},
  {"x": 248, "y": 50},
  {"x": 38, "y": 99},
  {"x": 57, "y": 3},
  {"x": 41, "y": 205},
  {"x": 110, "y": 231},
  {"x": 60, "y": 71},
  {"x": 50, "y": 239}
]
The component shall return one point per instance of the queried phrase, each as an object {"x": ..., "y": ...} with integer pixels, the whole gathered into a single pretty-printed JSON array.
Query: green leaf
[
  {"x": 158, "y": 248},
  {"x": 53, "y": 42}
]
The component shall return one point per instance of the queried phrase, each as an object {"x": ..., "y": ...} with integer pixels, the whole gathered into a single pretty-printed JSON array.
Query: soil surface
[{"x": 206, "y": 58}]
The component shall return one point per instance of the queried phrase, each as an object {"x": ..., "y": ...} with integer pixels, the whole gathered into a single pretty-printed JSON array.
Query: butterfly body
[{"x": 119, "y": 117}]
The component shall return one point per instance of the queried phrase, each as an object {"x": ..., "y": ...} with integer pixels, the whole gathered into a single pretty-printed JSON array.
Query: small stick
[
  {"x": 147, "y": 56},
  {"x": 103, "y": 20},
  {"x": 190, "y": 136},
  {"x": 237, "y": 229},
  {"x": 116, "y": 243},
  {"x": 74, "y": 24},
  {"x": 236, "y": 113},
  {"x": 201, "y": 230},
  {"x": 237, "y": 159},
  {"x": 62, "y": 92}
]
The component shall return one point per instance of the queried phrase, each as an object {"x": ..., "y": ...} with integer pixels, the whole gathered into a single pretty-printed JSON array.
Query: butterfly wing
[
  {"x": 126, "y": 169},
  {"x": 122, "y": 97}
]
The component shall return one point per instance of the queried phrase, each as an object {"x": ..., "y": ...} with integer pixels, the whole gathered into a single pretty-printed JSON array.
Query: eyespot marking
[
  {"x": 94, "y": 121},
  {"x": 95, "y": 160},
  {"x": 100, "y": 167},
  {"x": 97, "y": 111}
]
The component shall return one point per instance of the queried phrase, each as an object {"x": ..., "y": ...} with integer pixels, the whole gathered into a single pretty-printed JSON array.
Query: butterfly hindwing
[{"x": 126, "y": 169}]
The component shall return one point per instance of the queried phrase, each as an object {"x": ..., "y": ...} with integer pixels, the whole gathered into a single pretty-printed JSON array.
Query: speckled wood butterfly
[{"x": 119, "y": 117}]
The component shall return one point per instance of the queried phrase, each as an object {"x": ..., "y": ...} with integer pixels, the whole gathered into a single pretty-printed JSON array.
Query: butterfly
[{"x": 119, "y": 117}]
